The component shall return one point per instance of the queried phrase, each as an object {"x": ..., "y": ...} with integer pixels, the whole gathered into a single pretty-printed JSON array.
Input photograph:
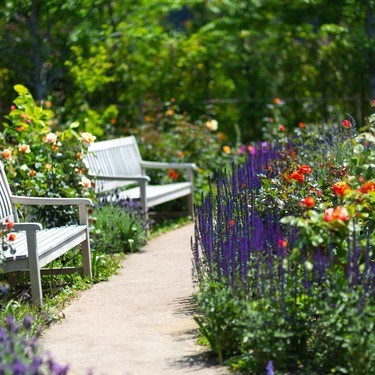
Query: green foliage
[
  {"x": 219, "y": 319},
  {"x": 117, "y": 229},
  {"x": 41, "y": 158},
  {"x": 169, "y": 135},
  {"x": 305, "y": 334},
  {"x": 225, "y": 59}
]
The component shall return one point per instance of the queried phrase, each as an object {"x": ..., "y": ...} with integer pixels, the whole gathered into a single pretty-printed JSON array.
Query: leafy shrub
[
  {"x": 168, "y": 135},
  {"x": 118, "y": 227},
  {"x": 43, "y": 159}
]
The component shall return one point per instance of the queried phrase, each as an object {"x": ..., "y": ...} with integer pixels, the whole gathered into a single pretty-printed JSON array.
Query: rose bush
[{"x": 42, "y": 157}]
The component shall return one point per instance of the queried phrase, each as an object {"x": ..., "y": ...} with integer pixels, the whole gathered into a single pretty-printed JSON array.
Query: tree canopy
[{"x": 100, "y": 59}]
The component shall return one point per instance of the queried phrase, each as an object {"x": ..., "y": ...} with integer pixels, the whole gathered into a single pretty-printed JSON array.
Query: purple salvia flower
[
  {"x": 269, "y": 368},
  {"x": 9, "y": 321},
  {"x": 36, "y": 364},
  {"x": 27, "y": 321},
  {"x": 18, "y": 368}
]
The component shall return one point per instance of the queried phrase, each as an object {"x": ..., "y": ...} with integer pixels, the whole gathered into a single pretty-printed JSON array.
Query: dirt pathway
[{"x": 139, "y": 322}]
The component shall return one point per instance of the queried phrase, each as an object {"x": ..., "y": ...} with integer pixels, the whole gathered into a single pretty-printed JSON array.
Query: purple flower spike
[
  {"x": 27, "y": 321},
  {"x": 269, "y": 368}
]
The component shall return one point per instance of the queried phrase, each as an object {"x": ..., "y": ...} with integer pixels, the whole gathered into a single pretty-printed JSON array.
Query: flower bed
[{"x": 284, "y": 257}]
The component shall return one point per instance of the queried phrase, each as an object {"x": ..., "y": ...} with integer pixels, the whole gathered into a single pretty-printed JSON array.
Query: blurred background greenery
[{"x": 113, "y": 64}]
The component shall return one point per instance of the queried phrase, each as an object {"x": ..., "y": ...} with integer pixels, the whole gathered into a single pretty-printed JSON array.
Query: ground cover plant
[{"x": 284, "y": 255}]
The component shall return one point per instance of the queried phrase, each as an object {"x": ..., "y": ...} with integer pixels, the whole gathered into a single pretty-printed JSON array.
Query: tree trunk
[
  {"x": 36, "y": 50},
  {"x": 370, "y": 31}
]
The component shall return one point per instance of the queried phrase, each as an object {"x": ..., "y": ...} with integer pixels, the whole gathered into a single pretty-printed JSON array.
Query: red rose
[
  {"x": 297, "y": 176},
  {"x": 173, "y": 174},
  {"x": 308, "y": 201},
  {"x": 305, "y": 169}
]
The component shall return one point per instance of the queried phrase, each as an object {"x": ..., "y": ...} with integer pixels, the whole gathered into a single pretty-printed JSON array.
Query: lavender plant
[{"x": 20, "y": 353}]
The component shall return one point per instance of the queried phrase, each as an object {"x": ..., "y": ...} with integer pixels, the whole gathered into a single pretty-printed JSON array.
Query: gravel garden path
[{"x": 140, "y": 322}]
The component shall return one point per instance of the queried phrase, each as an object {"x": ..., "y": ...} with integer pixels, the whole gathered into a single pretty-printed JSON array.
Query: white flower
[
  {"x": 212, "y": 125},
  {"x": 87, "y": 139},
  {"x": 51, "y": 138},
  {"x": 86, "y": 182}
]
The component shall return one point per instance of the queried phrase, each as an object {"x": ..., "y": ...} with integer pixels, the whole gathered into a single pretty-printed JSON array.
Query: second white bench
[{"x": 117, "y": 164}]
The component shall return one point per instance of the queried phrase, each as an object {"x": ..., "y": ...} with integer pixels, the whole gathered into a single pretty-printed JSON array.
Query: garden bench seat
[
  {"x": 117, "y": 164},
  {"x": 35, "y": 247}
]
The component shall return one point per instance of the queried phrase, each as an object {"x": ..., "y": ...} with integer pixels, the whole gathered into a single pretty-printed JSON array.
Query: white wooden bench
[
  {"x": 117, "y": 164},
  {"x": 35, "y": 247}
]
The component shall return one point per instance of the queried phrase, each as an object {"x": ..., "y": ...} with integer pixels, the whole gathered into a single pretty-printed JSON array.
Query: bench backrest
[
  {"x": 115, "y": 157},
  {"x": 7, "y": 209}
]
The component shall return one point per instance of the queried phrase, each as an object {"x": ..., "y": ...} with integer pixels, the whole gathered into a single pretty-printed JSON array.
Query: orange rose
[
  {"x": 227, "y": 149},
  {"x": 7, "y": 153},
  {"x": 32, "y": 172},
  {"x": 12, "y": 237},
  {"x": 367, "y": 187},
  {"x": 10, "y": 224},
  {"x": 339, "y": 213},
  {"x": 24, "y": 148},
  {"x": 340, "y": 188}
]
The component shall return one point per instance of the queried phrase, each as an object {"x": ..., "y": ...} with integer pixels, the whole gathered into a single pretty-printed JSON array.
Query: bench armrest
[
  {"x": 18, "y": 199},
  {"x": 82, "y": 204},
  {"x": 139, "y": 179},
  {"x": 25, "y": 226},
  {"x": 162, "y": 165}
]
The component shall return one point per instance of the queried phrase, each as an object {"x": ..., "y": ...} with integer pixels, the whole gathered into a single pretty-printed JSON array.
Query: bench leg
[
  {"x": 86, "y": 257},
  {"x": 35, "y": 276},
  {"x": 191, "y": 204},
  {"x": 36, "y": 287}
]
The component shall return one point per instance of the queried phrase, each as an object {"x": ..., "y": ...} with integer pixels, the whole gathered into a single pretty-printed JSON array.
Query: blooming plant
[
  {"x": 284, "y": 257},
  {"x": 41, "y": 158},
  {"x": 21, "y": 354}
]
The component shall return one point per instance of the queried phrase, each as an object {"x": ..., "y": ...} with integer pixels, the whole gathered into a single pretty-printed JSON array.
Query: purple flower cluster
[
  {"x": 19, "y": 354},
  {"x": 228, "y": 228},
  {"x": 245, "y": 247}
]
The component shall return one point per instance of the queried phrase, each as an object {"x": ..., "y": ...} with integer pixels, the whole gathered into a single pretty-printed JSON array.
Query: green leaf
[{"x": 21, "y": 90}]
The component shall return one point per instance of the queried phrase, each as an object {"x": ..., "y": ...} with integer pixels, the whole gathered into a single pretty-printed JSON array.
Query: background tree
[{"x": 108, "y": 62}]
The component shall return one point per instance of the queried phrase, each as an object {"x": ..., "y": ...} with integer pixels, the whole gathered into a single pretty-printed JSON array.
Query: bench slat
[{"x": 48, "y": 241}]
